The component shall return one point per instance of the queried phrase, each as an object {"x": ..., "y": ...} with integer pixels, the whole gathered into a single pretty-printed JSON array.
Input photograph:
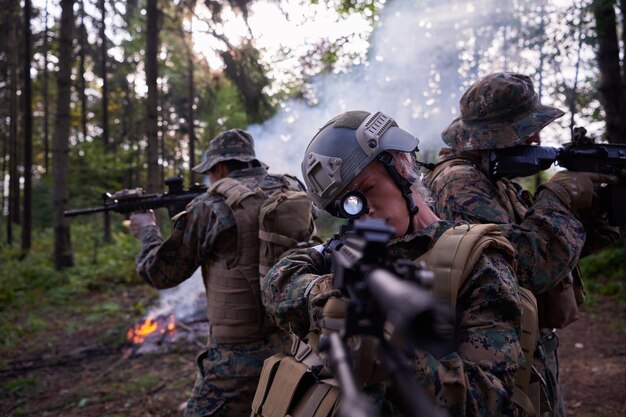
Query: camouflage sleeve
[
  {"x": 548, "y": 240},
  {"x": 477, "y": 379},
  {"x": 287, "y": 286},
  {"x": 197, "y": 236}
]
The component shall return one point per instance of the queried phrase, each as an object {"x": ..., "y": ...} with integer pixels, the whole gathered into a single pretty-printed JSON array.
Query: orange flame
[{"x": 140, "y": 332}]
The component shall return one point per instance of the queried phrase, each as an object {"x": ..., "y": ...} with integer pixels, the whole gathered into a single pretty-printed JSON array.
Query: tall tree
[
  {"x": 152, "y": 124},
  {"x": 27, "y": 118},
  {"x": 14, "y": 190},
  {"x": 105, "y": 104},
  {"x": 46, "y": 109},
  {"x": 612, "y": 85},
  {"x": 190, "y": 104},
  {"x": 104, "y": 74},
  {"x": 81, "y": 71},
  {"x": 63, "y": 254}
]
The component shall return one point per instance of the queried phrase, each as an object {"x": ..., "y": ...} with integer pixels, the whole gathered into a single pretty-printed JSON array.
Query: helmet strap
[{"x": 402, "y": 183}]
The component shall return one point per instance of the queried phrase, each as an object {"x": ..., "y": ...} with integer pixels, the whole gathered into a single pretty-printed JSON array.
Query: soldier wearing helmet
[
  {"x": 502, "y": 110},
  {"x": 371, "y": 154},
  {"x": 206, "y": 235}
]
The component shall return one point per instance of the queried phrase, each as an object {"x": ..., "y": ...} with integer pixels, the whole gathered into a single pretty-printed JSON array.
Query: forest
[{"x": 98, "y": 96}]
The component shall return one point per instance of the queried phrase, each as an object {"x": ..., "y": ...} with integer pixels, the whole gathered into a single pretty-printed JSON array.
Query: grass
[{"x": 604, "y": 272}]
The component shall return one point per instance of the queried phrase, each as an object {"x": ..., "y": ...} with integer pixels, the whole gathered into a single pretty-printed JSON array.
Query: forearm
[
  {"x": 287, "y": 286},
  {"x": 163, "y": 264}
]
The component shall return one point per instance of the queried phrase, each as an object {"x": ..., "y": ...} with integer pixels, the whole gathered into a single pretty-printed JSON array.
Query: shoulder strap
[
  {"x": 236, "y": 196},
  {"x": 456, "y": 252},
  {"x": 441, "y": 166}
]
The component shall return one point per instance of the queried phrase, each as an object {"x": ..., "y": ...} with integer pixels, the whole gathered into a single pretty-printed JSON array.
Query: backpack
[
  {"x": 452, "y": 258},
  {"x": 285, "y": 216}
]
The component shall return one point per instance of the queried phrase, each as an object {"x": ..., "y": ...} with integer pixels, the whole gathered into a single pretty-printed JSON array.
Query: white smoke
[{"x": 416, "y": 72}]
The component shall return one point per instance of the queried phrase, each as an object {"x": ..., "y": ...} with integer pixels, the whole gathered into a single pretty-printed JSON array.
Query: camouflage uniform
[
  {"x": 203, "y": 234},
  {"x": 477, "y": 378},
  {"x": 502, "y": 110}
]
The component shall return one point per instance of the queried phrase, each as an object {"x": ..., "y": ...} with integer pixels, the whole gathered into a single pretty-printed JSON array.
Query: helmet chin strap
[{"x": 403, "y": 184}]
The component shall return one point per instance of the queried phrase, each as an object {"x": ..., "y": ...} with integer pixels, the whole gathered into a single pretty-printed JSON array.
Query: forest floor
[{"x": 91, "y": 370}]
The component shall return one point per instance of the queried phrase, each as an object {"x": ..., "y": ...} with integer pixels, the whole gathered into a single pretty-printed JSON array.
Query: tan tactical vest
[
  {"x": 452, "y": 258},
  {"x": 558, "y": 307},
  {"x": 270, "y": 220},
  {"x": 233, "y": 292}
]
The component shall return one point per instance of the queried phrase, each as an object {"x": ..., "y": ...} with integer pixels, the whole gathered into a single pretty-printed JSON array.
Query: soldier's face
[{"x": 383, "y": 197}]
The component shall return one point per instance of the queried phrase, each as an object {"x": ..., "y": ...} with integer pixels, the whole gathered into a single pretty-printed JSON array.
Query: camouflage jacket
[
  {"x": 477, "y": 378},
  {"x": 548, "y": 237},
  {"x": 203, "y": 234}
]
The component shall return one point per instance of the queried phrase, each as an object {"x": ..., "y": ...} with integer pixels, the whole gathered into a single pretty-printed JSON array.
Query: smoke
[
  {"x": 423, "y": 55},
  {"x": 411, "y": 75}
]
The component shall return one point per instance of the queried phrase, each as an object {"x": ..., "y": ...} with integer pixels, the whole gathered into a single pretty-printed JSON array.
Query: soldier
[
  {"x": 502, "y": 110},
  {"x": 371, "y": 154},
  {"x": 207, "y": 235}
]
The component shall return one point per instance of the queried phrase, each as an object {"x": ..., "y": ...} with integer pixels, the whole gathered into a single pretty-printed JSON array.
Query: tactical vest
[
  {"x": 558, "y": 306},
  {"x": 235, "y": 310},
  {"x": 284, "y": 379}
]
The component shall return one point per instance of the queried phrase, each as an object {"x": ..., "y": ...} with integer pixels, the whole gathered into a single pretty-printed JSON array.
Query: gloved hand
[
  {"x": 141, "y": 219},
  {"x": 321, "y": 292},
  {"x": 575, "y": 189}
]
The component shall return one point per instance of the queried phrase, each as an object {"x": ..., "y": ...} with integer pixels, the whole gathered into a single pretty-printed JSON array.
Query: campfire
[
  {"x": 160, "y": 333},
  {"x": 140, "y": 332}
]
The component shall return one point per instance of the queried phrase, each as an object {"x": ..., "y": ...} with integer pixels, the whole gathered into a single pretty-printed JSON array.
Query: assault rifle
[
  {"x": 128, "y": 201},
  {"x": 380, "y": 291},
  {"x": 581, "y": 154}
]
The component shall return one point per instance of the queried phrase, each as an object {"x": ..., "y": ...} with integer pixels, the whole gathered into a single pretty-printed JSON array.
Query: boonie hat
[
  {"x": 499, "y": 110},
  {"x": 231, "y": 144}
]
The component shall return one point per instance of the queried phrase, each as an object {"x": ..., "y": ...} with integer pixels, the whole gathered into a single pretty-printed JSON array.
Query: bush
[{"x": 605, "y": 271}]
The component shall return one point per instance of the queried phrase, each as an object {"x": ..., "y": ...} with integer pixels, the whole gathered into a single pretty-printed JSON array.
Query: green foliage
[
  {"x": 604, "y": 273},
  {"x": 30, "y": 286}
]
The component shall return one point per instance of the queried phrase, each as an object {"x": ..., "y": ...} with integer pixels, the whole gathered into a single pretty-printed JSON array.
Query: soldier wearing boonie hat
[
  {"x": 231, "y": 145},
  {"x": 502, "y": 110},
  {"x": 207, "y": 235}
]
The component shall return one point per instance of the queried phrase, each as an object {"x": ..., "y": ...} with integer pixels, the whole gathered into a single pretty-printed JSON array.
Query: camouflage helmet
[
  {"x": 499, "y": 110},
  {"x": 233, "y": 144},
  {"x": 344, "y": 146}
]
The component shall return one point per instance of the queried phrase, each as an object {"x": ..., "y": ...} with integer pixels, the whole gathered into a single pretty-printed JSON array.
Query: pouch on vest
[
  {"x": 558, "y": 306},
  {"x": 287, "y": 387}
]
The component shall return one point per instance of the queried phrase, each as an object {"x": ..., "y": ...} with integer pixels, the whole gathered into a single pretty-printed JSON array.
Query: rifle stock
[{"x": 174, "y": 200}]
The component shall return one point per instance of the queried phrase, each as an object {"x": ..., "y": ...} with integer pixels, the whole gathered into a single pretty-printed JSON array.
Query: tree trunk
[
  {"x": 611, "y": 86},
  {"x": 28, "y": 130},
  {"x": 105, "y": 105},
  {"x": 14, "y": 190},
  {"x": 152, "y": 128},
  {"x": 83, "y": 95},
  {"x": 46, "y": 110},
  {"x": 190, "y": 116},
  {"x": 63, "y": 255}
]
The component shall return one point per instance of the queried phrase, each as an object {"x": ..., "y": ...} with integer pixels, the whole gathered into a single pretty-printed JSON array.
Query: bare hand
[{"x": 140, "y": 220}]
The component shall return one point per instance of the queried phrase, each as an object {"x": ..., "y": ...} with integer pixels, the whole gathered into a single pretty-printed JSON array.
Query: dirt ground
[
  {"x": 83, "y": 376},
  {"x": 592, "y": 355}
]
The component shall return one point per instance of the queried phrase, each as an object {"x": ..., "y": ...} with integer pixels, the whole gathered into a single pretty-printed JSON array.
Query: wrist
[{"x": 557, "y": 191}]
